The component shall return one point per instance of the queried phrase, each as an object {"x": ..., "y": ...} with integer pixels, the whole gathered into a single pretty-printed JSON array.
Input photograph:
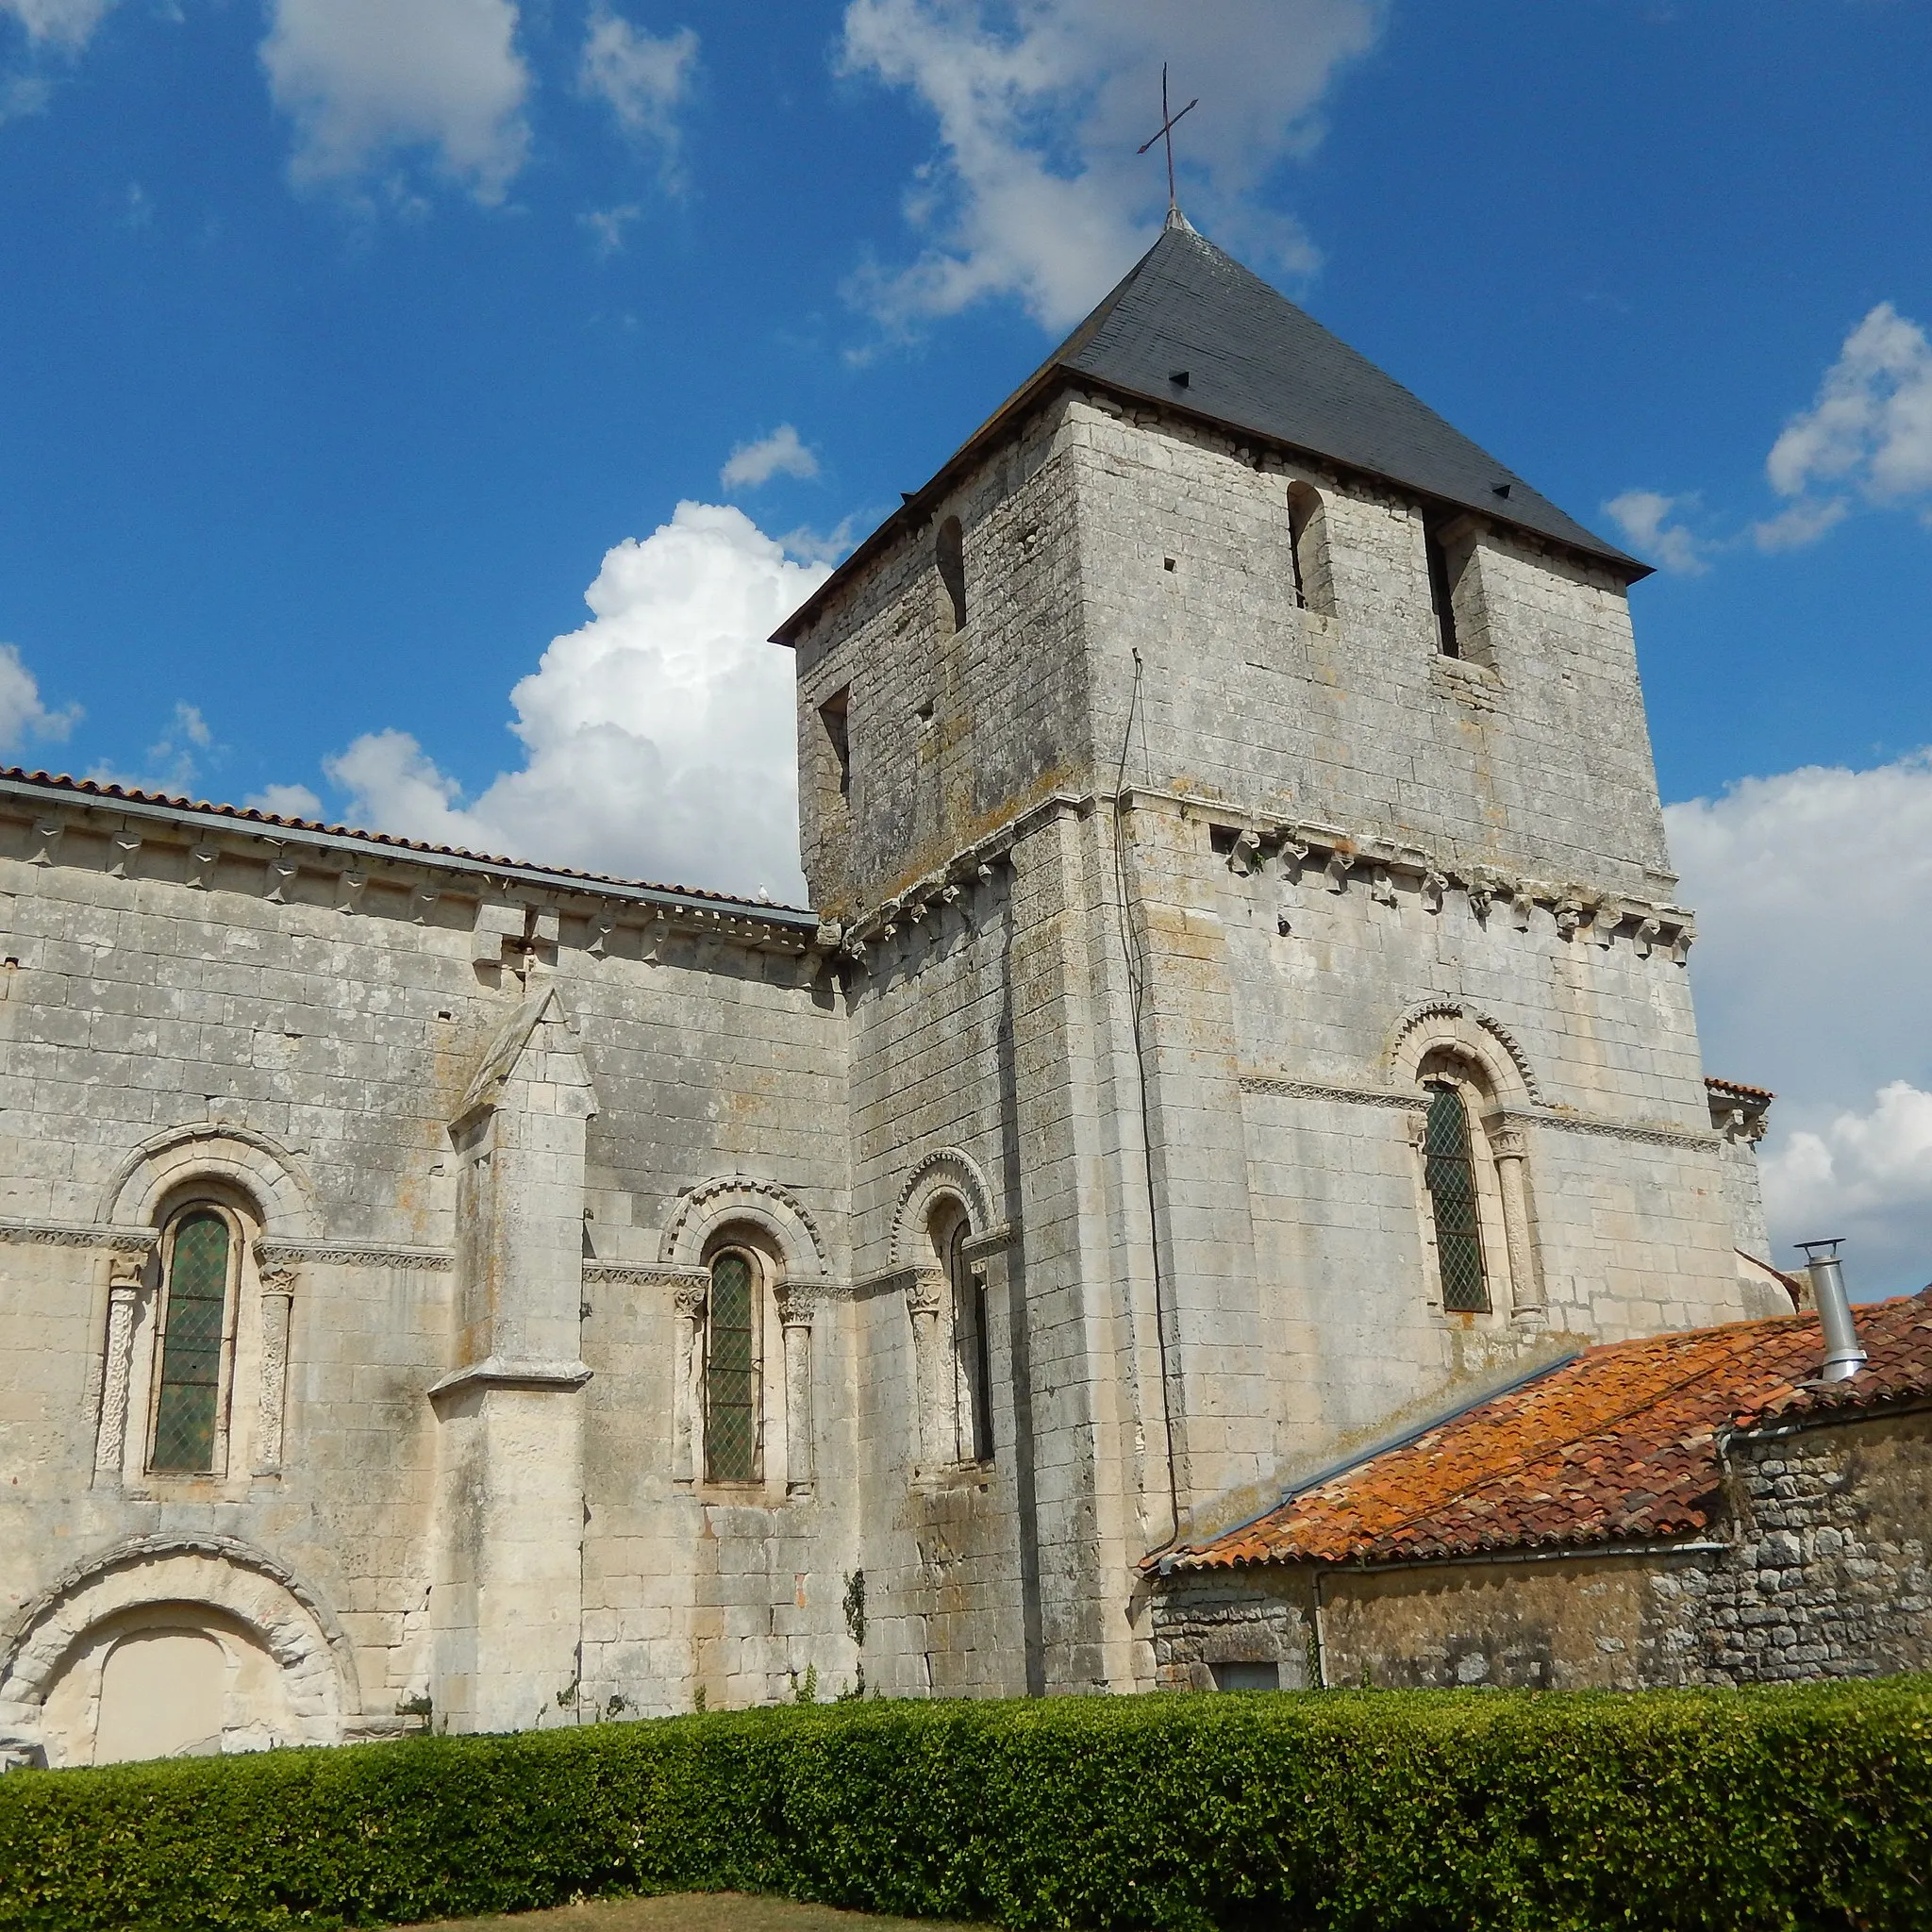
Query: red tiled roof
[
  {"x": 1617, "y": 1445},
  {"x": 1738, "y": 1088},
  {"x": 90, "y": 788}
]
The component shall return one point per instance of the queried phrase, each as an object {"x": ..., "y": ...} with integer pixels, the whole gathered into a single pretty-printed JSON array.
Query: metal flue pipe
[{"x": 1843, "y": 1356}]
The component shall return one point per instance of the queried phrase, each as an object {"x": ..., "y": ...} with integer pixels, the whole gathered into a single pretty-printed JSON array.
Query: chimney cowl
[{"x": 1843, "y": 1355}]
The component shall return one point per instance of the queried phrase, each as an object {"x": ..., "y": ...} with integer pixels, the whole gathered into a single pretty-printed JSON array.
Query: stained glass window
[
  {"x": 196, "y": 1317},
  {"x": 731, "y": 1374},
  {"x": 1452, "y": 1192}
]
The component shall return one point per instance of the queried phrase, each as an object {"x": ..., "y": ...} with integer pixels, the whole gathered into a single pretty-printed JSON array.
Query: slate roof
[
  {"x": 1255, "y": 362},
  {"x": 16, "y": 778},
  {"x": 1617, "y": 1445}
]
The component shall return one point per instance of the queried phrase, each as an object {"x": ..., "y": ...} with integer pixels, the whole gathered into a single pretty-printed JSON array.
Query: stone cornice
[
  {"x": 282, "y": 848},
  {"x": 1307, "y": 851},
  {"x": 1649, "y": 1133},
  {"x": 77, "y": 1234},
  {"x": 352, "y": 1254}
]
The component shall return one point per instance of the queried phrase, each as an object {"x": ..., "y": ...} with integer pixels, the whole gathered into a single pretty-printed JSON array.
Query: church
[{"x": 1240, "y": 1043}]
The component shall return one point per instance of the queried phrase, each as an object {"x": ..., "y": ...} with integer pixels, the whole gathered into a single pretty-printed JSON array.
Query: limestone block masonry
[{"x": 610, "y": 1293}]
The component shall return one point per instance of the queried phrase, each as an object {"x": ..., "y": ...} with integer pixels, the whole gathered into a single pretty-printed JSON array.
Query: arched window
[
  {"x": 732, "y": 1370},
  {"x": 1314, "y": 584},
  {"x": 973, "y": 1350},
  {"x": 949, "y": 556},
  {"x": 1450, "y": 1173},
  {"x": 196, "y": 1332}
]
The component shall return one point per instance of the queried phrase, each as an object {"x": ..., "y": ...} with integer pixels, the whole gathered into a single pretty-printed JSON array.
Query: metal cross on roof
[{"x": 1166, "y": 134}]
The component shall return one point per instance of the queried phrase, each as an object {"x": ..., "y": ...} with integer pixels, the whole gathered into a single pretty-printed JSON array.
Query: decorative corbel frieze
[
  {"x": 202, "y": 860},
  {"x": 1435, "y": 887},
  {"x": 124, "y": 845},
  {"x": 421, "y": 903},
  {"x": 1648, "y": 932},
  {"x": 1604, "y": 920},
  {"x": 350, "y": 885},
  {"x": 1337, "y": 867},
  {"x": 47, "y": 842},
  {"x": 1570, "y": 915},
  {"x": 1522, "y": 906},
  {"x": 1382, "y": 886},
  {"x": 281, "y": 876}
]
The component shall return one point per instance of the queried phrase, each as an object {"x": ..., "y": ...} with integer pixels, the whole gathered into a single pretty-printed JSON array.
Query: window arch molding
[
  {"x": 712, "y": 1205},
  {"x": 1460, "y": 1027},
  {"x": 945, "y": 1170},
  {"x": 212, "y": 1154}
]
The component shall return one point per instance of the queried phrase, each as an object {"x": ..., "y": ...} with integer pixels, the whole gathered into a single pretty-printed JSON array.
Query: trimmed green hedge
[{"x": 1383, "y": 1810}]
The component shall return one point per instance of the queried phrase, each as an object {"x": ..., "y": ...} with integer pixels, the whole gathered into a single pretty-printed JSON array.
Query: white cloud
[
  {"x": 1867, "y": 434},
  {"x": 1646, "y": 518},
  {"x": 1869, "y": 1175},
  {"x": 285, "y": 802},
  {"x": 67, "y": 23},
  {"x": 173, "y": 762},
  {"x": 643, "y": 78},
  {"x": 608, "y": 223},
  {"x": 22, "y": 714},
  {"x": 658, "y": 738},
  {"x": 1036, "y": 191},
  {"x": 1813, "y": 891},
  {"x": 365, "y": 80},
  {"x": 1801, "y": 523},
  {"x": 779, "y": 454}
]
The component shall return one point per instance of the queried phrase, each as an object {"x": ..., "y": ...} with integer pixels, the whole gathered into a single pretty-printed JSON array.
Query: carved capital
[
  {"x": 125, "y": 1268},
  {"x": 797, "y": 1302},
  {"x": 689, "y": 1299},
  {"x": 924, "y": 1292},
  {"x": 1509, "y": 1143},
  {"x": 278, "y": 1277}
]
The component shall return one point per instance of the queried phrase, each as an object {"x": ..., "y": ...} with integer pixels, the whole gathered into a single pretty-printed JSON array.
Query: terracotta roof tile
[
  {"x": 1738, "y": 1088},
  {"x": 94, "y": 789},
  {"x": 1619, "y": 1445}
]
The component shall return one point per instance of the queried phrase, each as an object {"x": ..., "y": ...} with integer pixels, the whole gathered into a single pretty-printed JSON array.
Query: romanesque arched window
[
  {"x": 733, "y": 1368},
  {"x": 949, "y": 557},
  {"x": 195, "y": 1344},
  {"x": 1308, "y": 527},
  {"x": 1449, "y": 1171}
]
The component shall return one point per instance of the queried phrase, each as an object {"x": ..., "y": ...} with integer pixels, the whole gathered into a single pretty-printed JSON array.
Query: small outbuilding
[{"x": 1688, "y": 1509}]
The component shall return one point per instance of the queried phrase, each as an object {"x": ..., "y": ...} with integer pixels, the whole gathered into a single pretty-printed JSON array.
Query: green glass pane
[
  {"x": 731, "y": 1374},
  {"x": 185, "y": 1409},
  {"x": 1451, "y": 1178}
]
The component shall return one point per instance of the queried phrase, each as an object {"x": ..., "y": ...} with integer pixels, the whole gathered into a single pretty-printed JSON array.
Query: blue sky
[{"x": 347, "y": 343}]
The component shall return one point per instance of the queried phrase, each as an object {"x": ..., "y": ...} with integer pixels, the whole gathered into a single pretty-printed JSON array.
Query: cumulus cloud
[
  {"x": 1867, "y": 435},
  {"x": 368, "y": 80},
  {"x": 68, "y": 24},
  {"x": 1650, "y": 522},
  {"x": 643, "y": 78},
  {"x": 285, "y": 802},
  {"x": 1814, "y": 897},
  {"x": 779, "y": 454},
  {"x": 22, "y": 714},
  {"x": 1035, "y": 191},
  {"x": 658, "y": 738}
]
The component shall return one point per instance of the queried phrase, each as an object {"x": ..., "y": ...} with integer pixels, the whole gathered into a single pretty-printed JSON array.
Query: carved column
[
  {"x": 277, "y": 1299},
  {"x": 123, "y": 1301},
  {"x": 687, "y": 1403},
  {"x": 924, "y": 1297},
  {"x": 1511, "y": 1151},
  {"x": 796, "y": 1303}
]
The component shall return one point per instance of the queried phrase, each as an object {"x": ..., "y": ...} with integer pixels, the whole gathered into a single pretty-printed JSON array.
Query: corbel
[
  {"x": 281, "y": 876},
  {"x": 1522, "y": 904},
  {"x": 1382, "y": 886},
  {"x": 1648, "y": 932},
  {"x": 202, "y": 860},
  {"x": 421, "y": 901},
  {"x": 122, "y": 847},
  {"x": 349, "y": 887},
  {"x": 1337, "y": 867},
  {"x": 1434, "y": 888},
  {"x": 47, "y": 833}
]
